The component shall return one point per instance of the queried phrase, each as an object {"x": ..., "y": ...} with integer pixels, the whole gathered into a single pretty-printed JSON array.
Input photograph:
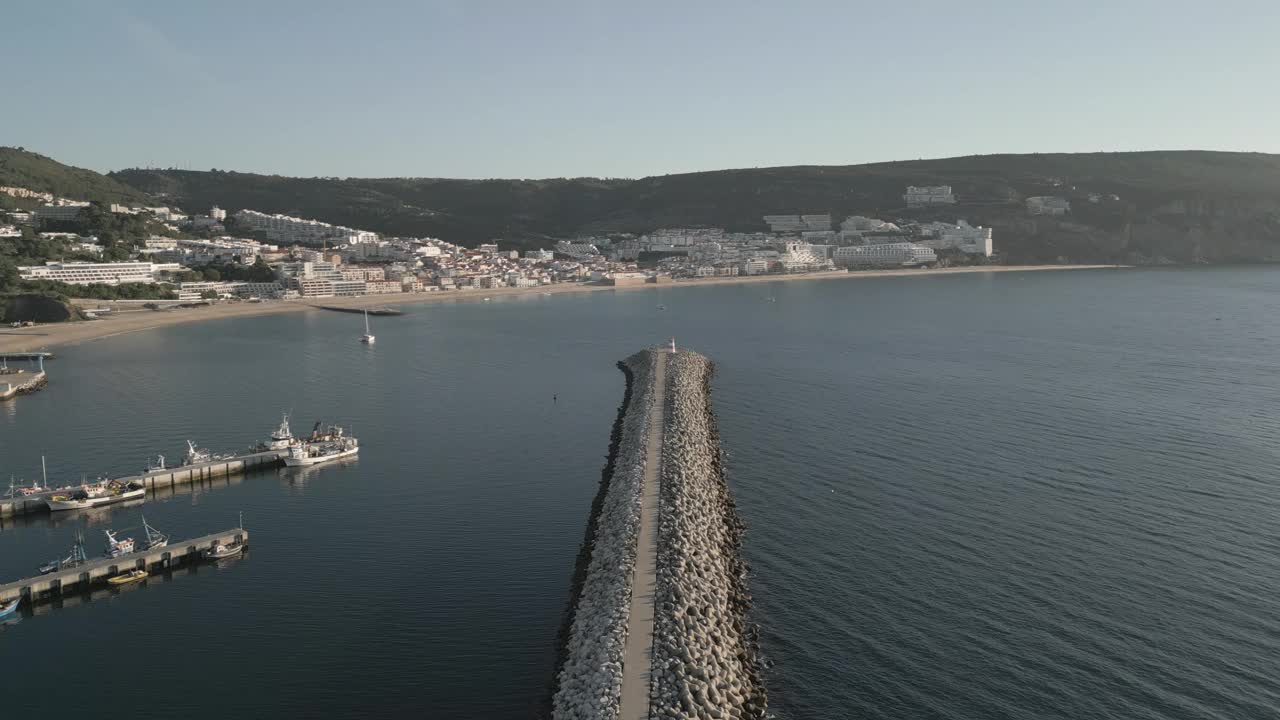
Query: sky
[{"x": 488, "y": 88}]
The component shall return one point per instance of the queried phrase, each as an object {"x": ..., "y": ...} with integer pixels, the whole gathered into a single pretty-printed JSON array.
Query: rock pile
[
  {"x": 705, "y": 653},
  {"x": 590, "y": 679}
]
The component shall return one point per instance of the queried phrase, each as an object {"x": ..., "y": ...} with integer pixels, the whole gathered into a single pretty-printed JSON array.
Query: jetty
[
  {"x": 26, "y": 356},
  {"x": 382, "y": 311},
  {"x": 96, "y": 572},
  {"x": 160, "y": 478},
  {"x": 17, "y": 381},
  {"x": 657, "y": 625}
]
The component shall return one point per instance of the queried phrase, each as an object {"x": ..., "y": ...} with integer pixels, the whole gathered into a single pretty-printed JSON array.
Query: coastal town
[{"x": 276, "y": 256}]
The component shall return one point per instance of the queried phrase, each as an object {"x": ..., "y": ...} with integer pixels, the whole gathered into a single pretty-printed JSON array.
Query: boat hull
[
  {"x": 305, "y": 461},
  {"x": 226, "y": 552},
  {"x": 128, "y": 578},
  {"x": 60, "y": 505}
]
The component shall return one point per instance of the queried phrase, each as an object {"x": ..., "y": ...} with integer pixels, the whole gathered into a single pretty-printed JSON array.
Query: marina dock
[
  {"x": 168, "y": 477},
  {"x": 96, "y": 572}
]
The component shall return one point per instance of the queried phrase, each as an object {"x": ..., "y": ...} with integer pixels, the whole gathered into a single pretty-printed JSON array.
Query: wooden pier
[
  {"x": 96, "y": 572},
  {"x": 168, "y": 477}
]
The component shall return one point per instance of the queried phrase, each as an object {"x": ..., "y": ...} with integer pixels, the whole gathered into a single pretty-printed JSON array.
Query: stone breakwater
[
  {"x": 589, "y": 681},
  {"x": 706, "y": 661}
]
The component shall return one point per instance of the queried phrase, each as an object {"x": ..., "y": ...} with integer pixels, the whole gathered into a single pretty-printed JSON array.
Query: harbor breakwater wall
[
  {"x": 705, "y": 654},
  {"x": 589, "y": 679},
  {"x": 706, "y": 658}
]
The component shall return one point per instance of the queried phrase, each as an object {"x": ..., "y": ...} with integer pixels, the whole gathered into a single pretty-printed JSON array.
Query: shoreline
[{"x": 45, "y": 337}]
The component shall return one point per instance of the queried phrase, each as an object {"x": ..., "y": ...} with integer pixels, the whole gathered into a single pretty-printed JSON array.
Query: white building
[
  {"x": 217, "y": 213},
  {"x": 10, "y": 231},
  {"x": 541, "y": 255},
  {"x": 926, "y": 195},
  {"x": 962, "y": 236},
  {"x": 84, "y": 273},
  {"x": 288, "y": 229},
  {"x": 1048, "y": 205},
  {"x": 887, "y": 255}
]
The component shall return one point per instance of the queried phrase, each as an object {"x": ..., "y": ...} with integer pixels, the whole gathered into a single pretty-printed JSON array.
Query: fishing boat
[
  {"x": 220, "y": 551},
  {"x": 76, "y": 558},
  {"x": 9, "y": 608},
  {"x": 195, "y": 455},
  {"x": 35, "y": 488},
  {"x": 282, "y": 437},
  {"x": 115, "y": 547},
  {"x": 324, "y": 445},
  {"x": 154, "y": 467},
  {"x": 132, "y": 576},
  {"x": 367, "y": 338},
  {"x": 104, "y": 492},
  {"x": 155, "y": 538}
]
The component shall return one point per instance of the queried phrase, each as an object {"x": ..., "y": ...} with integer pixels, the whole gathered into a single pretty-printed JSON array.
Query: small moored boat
[
  {"x": 9, "y": 608},
  {"x": 132, "y": 576},
  {"x": 219, "y": 551}
]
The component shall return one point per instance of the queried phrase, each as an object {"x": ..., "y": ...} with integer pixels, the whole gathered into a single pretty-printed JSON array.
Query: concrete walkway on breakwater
[{"x": 637, "y": 664}]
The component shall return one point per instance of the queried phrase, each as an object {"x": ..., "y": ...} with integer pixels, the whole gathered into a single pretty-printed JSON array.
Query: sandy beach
[{"x": 48, "y": 337}]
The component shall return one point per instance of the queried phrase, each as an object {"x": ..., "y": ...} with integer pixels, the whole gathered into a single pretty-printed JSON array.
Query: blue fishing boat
[{"x": 9, "y": 608}]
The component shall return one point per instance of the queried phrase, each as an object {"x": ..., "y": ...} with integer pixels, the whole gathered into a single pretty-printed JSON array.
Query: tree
[
  {"x": 212, "y": 275},
  {"x": 8, "y": 275}
]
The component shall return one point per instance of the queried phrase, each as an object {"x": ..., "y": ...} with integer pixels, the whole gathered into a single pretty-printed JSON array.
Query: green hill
[
  {"x": 1185, "y": 206},
  {"x": 1173, "y": 206},
  {"x": 22, "y": 168}
]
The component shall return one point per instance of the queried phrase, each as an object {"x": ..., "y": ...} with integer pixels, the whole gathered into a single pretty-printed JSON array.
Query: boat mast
[
  {"x": 44, "y": 475},
  {"x": 366, "y": 322}
]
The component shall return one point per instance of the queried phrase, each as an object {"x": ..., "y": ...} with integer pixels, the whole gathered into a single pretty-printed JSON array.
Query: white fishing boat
[
  {"x": 117, "y": 547},
  {"x": 195, "y": 455},
  {"x": 154, "y": 467},
  {"x": 282, "y": 437},
  {"x": 155, "y": 538},
  {"x": 9, "y": 608},
  {"x": 222, "y": 550},
  {"x": 219, "y": 551},
  {"x": 367, "y": 338},
  {"x": 104, "y": 492},
  {"x": 324, "y": 445}
]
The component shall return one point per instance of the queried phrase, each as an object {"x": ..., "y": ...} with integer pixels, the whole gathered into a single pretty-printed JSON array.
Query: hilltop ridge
[{"x": 1155, "y": 206}]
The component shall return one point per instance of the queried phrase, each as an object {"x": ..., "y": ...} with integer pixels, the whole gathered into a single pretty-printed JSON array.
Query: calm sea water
[{"x": 1045, "y": 495}]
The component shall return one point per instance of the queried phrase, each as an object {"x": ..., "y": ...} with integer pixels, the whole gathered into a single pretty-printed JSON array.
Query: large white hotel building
[{"x": 85, "y": 273}]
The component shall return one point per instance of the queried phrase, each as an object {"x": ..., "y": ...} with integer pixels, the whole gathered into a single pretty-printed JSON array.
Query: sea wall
[
  {"x": 589, "y": 681},
  {"x": 706, "y": 660}
]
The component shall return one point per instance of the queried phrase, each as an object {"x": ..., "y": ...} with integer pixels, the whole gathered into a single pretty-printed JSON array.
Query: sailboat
[{"x": 367, "y": 338}]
